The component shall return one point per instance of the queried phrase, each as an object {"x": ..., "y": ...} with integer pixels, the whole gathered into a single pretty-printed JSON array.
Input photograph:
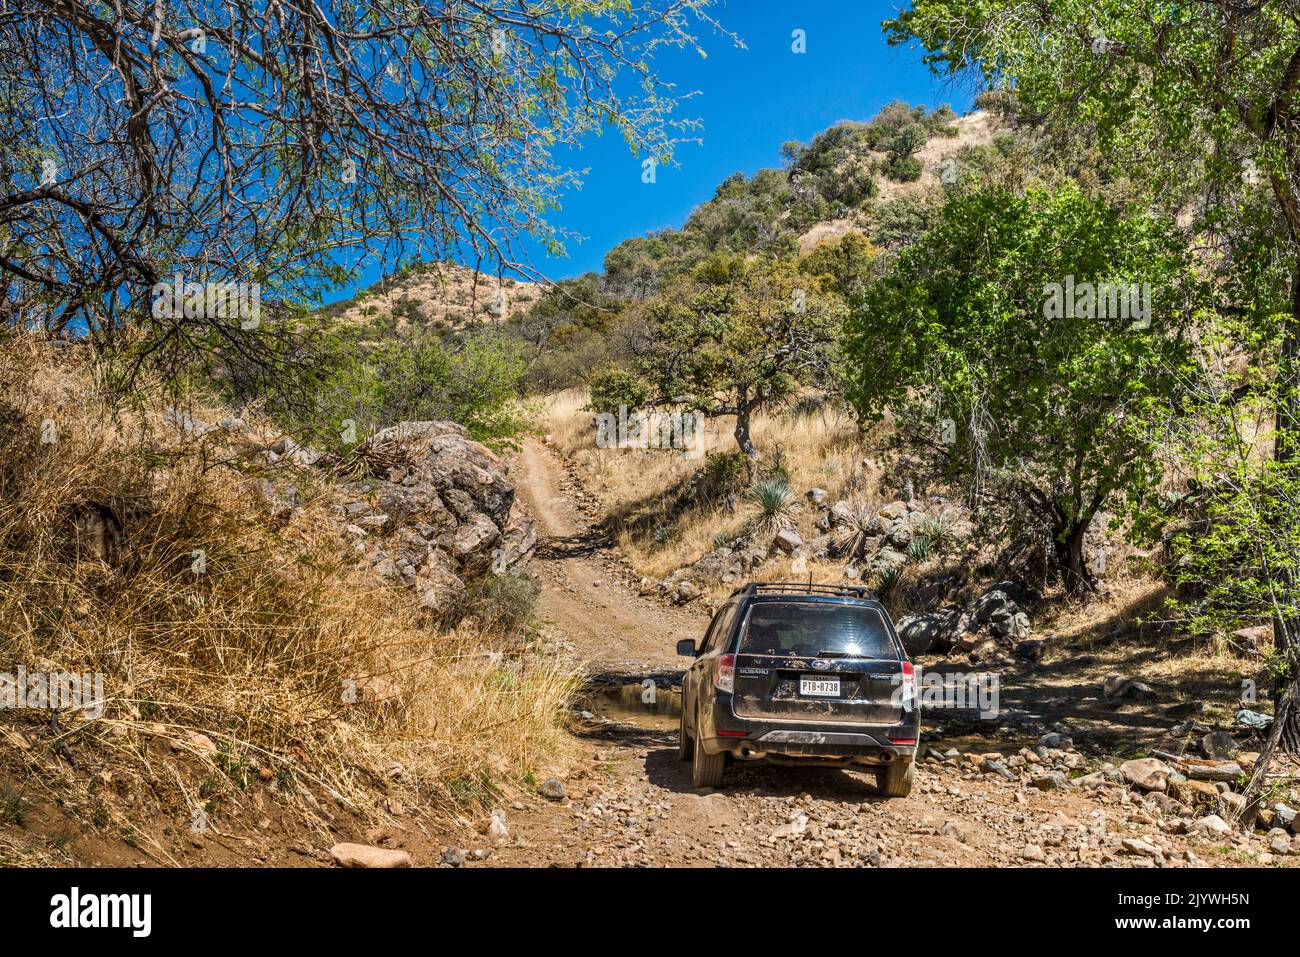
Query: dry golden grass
[
  {"x": 820, "y": 450},
  {"x": 258, "y": 645}
]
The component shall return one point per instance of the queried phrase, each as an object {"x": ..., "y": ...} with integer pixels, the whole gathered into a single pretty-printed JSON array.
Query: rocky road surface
[{"x": 978, "y": 804}]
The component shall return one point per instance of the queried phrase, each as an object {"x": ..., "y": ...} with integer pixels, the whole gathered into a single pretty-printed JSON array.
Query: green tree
[
  {"x": 1008, "y": 335},
  {"x": 1203, "y": 97},
  {"x": 473, "y": 379},
  {"x": 738, "y": 336}
]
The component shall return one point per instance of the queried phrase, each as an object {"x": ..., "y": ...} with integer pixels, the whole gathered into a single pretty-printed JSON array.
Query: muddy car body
[{"x": 800, "y": 674}]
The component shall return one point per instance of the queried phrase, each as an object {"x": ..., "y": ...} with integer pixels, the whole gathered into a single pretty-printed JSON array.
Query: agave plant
[
  {"x": 921, "y": 548},
  {"x": 887, "y": 579},
  {"x": 936, "y": 529},
  {"x": 773, "y": 505},
  {"x": 856, "y": 527}
]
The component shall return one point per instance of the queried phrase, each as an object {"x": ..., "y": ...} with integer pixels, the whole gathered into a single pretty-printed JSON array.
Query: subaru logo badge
[{"x": 820, "y": 665}]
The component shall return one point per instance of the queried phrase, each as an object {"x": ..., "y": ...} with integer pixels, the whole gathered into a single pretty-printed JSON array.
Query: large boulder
[
  {"x": 921, "y": 633},
  {"x": 787, "y": 540},
  {"x": 436, "y": 507}
]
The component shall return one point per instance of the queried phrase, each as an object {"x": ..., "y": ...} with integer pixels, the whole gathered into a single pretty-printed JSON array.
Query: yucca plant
[
  {"x": 850, "y": 537},
  {"x": 773, "y": 506},
  {"x": 921, "y": 548}
]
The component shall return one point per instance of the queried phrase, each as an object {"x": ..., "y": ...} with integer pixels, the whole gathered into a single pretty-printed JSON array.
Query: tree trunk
[
  {"x": 1285, "y": 452},
  {"x": 1070, "y": 559},
  {"x": 745, "y": 443}
]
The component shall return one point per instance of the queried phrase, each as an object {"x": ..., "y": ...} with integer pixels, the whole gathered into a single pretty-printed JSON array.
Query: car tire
[
  {"x": 895, "y": 781},
  {"x": 683, "y": 739},
  {"x": 706, "y": 769}
]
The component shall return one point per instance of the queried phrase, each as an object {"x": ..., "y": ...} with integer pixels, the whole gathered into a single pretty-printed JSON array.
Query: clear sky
[{"x": 750, "y": 101}]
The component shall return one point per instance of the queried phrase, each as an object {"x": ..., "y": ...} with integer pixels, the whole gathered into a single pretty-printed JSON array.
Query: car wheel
[
  {"x": 895, "y": 781},
  {"x": 706, "y": 769},
  {"x": 683, "y": 739}
]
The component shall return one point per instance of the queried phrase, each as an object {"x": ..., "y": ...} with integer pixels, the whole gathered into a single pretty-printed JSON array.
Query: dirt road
[
  {"x": 634, "y": 805},
  {"x": 588, "y": 596}
]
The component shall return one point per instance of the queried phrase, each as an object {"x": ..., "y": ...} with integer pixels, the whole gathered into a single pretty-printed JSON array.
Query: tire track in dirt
[{"x": 585, "y": 597}]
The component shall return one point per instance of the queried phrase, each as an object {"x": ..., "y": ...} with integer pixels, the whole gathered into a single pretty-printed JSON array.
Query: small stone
[
  {"x": 1033, "y": 852},
  {"x": 989, "y": 766},
  {"x": 553, "y": 788},
  {"x": 787, "y": 540},
  {"x": 361, "y": 855},
  {"x": 1135, "y": 846},
  {"x": 454, "y": 856},
  {"x": 1233, "y": 808},
  {"x": 195, "y": 741},
  {"x": 1118, "y": 687},
  {"x": 1051, "y": 781},
  {"x": 1214, "y": 770},
  {"x": 497, "y": 830},
  {"x": 1212, "y": 825},
  {"x": 1219, "y": 744}
]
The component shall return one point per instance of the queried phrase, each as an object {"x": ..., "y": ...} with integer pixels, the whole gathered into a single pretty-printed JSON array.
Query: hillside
[{"x": 438, "y": 297}]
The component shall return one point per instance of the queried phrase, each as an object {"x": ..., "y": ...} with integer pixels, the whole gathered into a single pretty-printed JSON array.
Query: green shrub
[
  {"x": 723, "y": 474},
  {"x": 503, "y": 604},
  {"x": 904, "y": 169}
]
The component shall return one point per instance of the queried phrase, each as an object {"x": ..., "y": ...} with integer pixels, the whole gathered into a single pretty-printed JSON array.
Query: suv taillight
[
  {"x": 726, "y": 680},
  {"x": 910, "y": 695}
]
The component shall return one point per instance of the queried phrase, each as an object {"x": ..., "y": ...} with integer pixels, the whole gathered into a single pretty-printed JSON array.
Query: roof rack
[{"x": 807, "y": 588}]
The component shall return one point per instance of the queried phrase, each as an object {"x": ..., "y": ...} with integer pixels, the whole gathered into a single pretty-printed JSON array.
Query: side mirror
[{"x": 686, "y": 647}]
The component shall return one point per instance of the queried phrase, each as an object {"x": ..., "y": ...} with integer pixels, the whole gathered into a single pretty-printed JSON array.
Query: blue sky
[{"x": 750, "y": 101}]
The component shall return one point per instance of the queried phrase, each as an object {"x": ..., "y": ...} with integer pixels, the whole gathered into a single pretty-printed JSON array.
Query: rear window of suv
[{"x": 816, "y": 630}]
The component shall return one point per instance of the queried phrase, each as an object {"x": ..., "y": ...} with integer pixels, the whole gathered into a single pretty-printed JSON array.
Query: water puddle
[{"x": 646, "y": 703}]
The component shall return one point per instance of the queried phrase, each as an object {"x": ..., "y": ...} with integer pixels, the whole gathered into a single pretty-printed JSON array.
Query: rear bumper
[{"x": 750, "y": 739}]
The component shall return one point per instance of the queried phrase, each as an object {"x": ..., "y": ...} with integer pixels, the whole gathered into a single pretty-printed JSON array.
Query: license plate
[{"x": 820, "y": 687}]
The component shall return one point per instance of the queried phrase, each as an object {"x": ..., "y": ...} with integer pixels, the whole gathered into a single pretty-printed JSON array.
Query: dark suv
[{"x": 800, "y": 674}]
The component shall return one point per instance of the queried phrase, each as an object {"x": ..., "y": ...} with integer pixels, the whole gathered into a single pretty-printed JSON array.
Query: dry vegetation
[
  {"x": 441, "y": 297},
  {"x": 100, "y": 531},
  {"x": 818, "y": 449}
]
